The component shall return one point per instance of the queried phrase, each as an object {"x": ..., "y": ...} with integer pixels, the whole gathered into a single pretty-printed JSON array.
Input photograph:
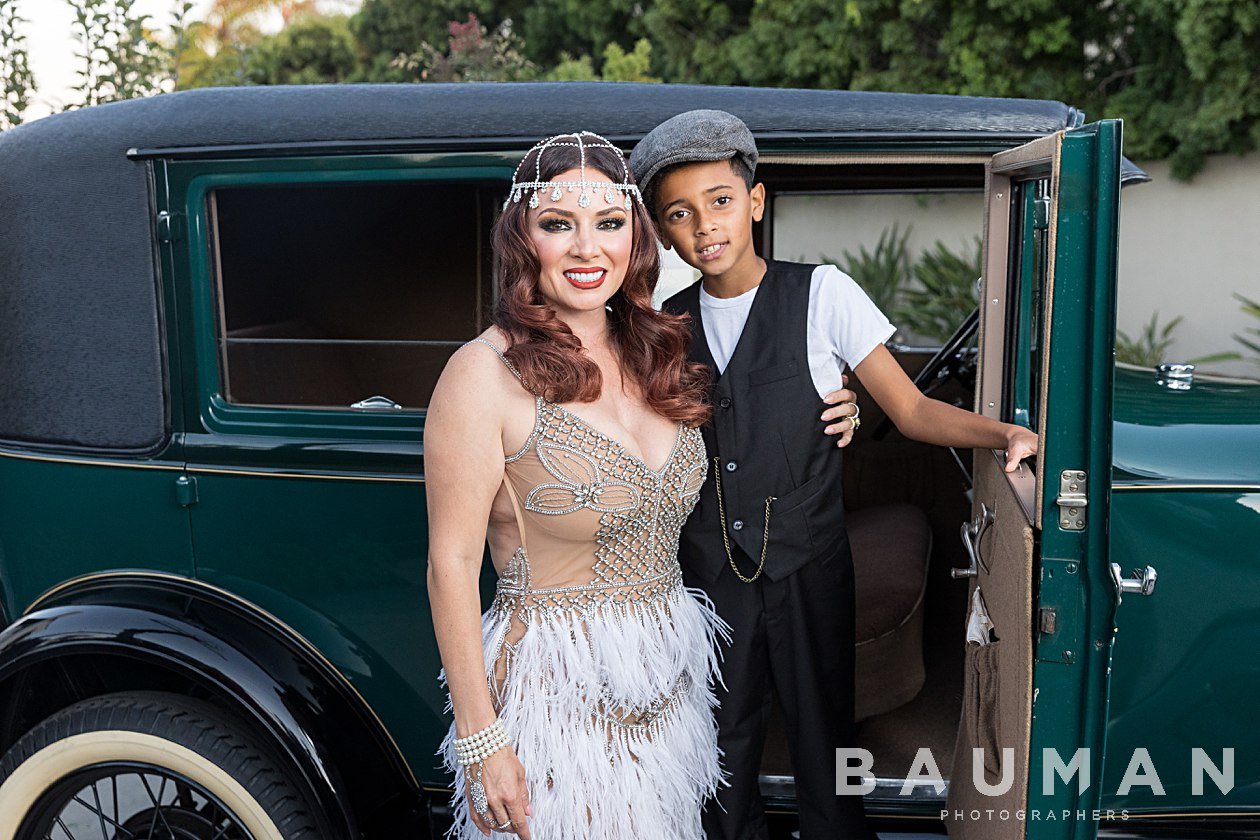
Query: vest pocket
[
  {"x": 797, "y": 496},
  {"x": 774, "y": 373}
]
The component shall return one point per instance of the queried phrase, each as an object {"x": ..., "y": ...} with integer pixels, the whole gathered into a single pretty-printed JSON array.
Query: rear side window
[{"x": 347, "y": 295}]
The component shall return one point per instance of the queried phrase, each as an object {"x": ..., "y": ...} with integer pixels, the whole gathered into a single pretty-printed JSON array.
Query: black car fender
[{"x": 138, "y": 630}]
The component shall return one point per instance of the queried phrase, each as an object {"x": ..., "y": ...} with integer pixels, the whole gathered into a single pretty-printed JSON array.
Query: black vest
[{"x": 768, "y": 438}]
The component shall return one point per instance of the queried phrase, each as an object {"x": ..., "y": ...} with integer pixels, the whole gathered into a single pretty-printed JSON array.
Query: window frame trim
[{"x": 189, "y": 187}]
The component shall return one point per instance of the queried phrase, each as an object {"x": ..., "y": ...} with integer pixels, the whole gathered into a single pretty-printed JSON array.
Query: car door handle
[
  {"x": 1142, "y": 582},
  {"x": 376, "y": 403},
  {"x": 971, "y": 533}
]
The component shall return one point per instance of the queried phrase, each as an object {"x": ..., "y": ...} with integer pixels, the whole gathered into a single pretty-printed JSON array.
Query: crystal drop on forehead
[
  {"x": 533, "y": 199},
  {"x": 556, "y": 193},
  {"x": 584, "y": 200}
]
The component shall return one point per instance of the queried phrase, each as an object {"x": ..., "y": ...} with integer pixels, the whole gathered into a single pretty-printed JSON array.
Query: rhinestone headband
[{"x": 581, "y": 140}]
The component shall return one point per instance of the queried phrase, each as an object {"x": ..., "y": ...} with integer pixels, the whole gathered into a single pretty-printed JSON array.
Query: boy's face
[{"x": 705, "y": 213}]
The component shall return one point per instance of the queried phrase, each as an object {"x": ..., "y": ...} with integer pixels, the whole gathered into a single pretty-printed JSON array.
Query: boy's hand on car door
[
  {"x": 842, "y": 417},
  {"x": 1020, "y": 444}
]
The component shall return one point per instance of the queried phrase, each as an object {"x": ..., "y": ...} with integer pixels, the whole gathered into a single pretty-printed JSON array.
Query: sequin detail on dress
[{"x": 605, "y": 686}]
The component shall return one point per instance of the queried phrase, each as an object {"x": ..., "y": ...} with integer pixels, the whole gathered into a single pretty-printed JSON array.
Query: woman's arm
[
  {"x": 932, "y": 421},
  {"x": 463, "y": 464}
]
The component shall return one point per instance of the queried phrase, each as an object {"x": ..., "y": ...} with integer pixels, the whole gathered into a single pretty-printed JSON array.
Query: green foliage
[
  {"x": 1150, "y": 348},
  {"x": 17, "y": 83},
  {"x": 946, "y": 293},
  {"x": 1251, "y": 337},
  {"x": 556, "y": 29},
  {"x": 311, "y": 50},
  {"x": 690, "y": 39},
  {"x": 1188, "y": 84},
  {"x": 391, "y": 33},
  {"x": 619, "y": 66},
  {"x": 1182, "y": 73},
  {"x": 633, "y": 66},
  {"x": 473, "y": 55},
  {"x": 570, "y": 69},
  {"x": 119, "y": 56},
  {"x": 882, "y": 272}
]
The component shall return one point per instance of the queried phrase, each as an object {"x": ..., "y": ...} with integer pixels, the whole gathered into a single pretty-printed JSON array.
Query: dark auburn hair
[{"x": 651, "y": 346}]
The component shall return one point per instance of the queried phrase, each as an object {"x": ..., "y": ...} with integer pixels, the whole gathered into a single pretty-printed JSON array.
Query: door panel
[
  {"x": 997, "y": 684},
  {"x": 1046, "y": 361}
]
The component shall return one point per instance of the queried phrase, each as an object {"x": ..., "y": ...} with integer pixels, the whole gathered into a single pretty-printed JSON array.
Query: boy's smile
[{"x": 705, "y": 212}]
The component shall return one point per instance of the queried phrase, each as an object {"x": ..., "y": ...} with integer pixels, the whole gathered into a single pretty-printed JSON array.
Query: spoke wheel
[
  {"x": 148, "y": 766},
  {"x": 129, "y": 801}
]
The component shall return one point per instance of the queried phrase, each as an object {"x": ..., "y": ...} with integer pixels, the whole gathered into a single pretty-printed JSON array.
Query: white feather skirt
[{"x": 609, "y": 707}]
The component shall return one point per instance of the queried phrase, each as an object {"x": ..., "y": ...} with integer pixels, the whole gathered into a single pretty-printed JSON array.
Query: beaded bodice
[
  {"x": 594, "y": 515},
  {"x": 580, "y": 492}
]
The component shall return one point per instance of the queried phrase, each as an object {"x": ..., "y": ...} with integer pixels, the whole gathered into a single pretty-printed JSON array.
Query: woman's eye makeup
[
  {"x": 559, "y": 224},
  {"x": 554, "y": 224}
]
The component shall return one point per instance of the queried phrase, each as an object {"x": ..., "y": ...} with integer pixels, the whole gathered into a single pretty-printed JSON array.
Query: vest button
[
  {"x": 725, "y": 402},
  {"x": 737, "y": 525},
  {"x": 731, "y": 466}
]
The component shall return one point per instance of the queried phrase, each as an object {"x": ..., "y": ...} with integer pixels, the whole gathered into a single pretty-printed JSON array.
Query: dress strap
[
  {"x": 505, "y": 361},
  {"x": 538, "y": 403}
]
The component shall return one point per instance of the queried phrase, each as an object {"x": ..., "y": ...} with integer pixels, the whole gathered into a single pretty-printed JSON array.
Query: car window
[
  {"x": 332, "y": 295},
  {"x": 916, "y": 254},
  {"x": 1030, "y": 238}
]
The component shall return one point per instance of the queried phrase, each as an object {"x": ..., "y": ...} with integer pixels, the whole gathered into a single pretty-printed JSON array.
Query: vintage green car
[{"x": 224, "y": 310}]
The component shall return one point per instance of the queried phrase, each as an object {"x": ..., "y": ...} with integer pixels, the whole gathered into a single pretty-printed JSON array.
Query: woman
[{"x": 566, "y": 435}]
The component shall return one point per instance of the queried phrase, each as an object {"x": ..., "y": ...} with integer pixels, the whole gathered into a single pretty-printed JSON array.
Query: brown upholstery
[{"x": 891, "y": 546}]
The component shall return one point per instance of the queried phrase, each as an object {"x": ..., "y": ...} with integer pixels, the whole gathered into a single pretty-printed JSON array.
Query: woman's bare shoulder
[{"x": 475, "y": 373}]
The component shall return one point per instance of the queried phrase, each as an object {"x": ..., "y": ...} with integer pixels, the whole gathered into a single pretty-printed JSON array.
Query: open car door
[{"x": 1041, "y": 595}]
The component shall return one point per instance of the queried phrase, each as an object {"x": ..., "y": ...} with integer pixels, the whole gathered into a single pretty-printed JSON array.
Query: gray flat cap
[{"x": 690, "y": 137}]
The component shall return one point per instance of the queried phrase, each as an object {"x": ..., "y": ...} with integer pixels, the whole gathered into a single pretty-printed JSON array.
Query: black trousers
[{"x": 792, "y": 638}]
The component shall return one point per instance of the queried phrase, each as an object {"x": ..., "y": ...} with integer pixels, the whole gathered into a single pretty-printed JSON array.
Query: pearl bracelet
[{"x": 480, "y": 745}]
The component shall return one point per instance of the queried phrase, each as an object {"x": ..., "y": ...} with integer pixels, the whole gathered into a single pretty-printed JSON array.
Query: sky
[{"x": 51, "y": 44}]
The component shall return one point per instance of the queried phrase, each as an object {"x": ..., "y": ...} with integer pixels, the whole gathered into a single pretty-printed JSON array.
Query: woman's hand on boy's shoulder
[{"x": 843, "y": 414}]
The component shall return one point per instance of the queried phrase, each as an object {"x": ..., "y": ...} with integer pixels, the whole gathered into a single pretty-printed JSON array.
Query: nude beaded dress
[{"x": 605, "y": 688}]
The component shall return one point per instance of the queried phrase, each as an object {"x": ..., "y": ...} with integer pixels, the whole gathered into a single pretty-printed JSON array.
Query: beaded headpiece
[{"x": 581, "y": 140}]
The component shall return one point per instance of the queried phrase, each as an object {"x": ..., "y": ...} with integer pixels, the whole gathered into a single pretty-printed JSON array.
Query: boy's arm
[{"x": 932, "y": 421}]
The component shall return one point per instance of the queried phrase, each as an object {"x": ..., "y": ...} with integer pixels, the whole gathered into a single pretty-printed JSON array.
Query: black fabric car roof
[{"x": 81, "y": 363}]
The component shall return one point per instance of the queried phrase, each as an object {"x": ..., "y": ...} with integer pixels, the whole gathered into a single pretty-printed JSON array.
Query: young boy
[{"x": 767, "y": 540}]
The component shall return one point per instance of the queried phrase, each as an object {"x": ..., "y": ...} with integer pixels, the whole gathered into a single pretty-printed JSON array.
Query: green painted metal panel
[
  {"x": 64, "y": 518},
  {"x": 1206, "y": 434},
  {"x": 1069, "y": 691},
  {"x": 1185, "y": 672}
]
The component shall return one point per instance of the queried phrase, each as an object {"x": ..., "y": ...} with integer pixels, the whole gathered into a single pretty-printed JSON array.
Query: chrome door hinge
[
  {"x": 170, "y": 226},
  {"x": 1071, "y": 500},
  {"x": 186, "y": 490}
]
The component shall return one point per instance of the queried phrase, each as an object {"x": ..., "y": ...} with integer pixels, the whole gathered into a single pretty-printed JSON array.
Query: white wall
[{"x": 1185, "y": 247}]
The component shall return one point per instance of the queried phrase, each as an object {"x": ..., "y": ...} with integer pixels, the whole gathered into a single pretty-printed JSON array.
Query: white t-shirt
[{"x": 844, "y": 326}]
